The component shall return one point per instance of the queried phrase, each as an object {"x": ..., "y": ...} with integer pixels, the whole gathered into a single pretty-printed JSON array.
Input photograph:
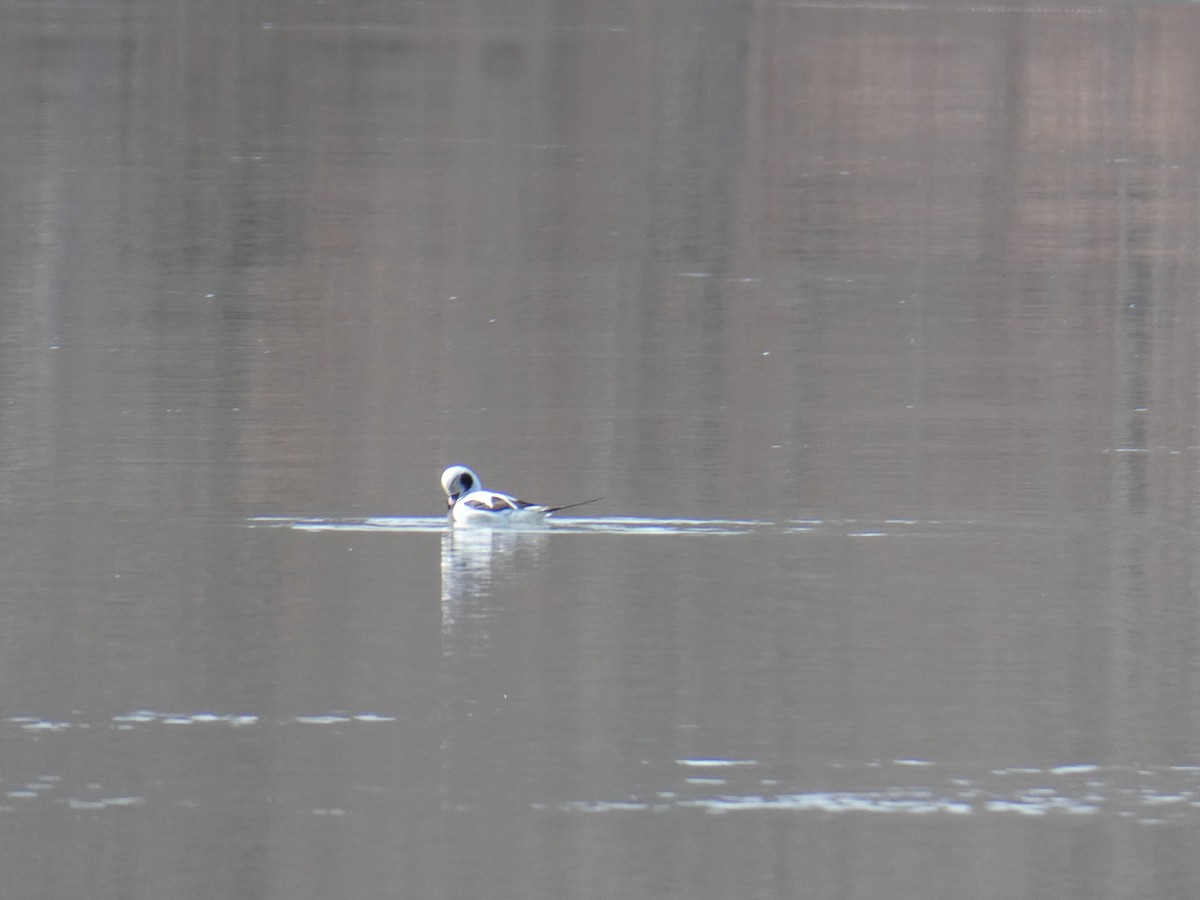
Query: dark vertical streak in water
[
  {"x": 1131, "y": 359},
  {"x": 698, "y": 119}
]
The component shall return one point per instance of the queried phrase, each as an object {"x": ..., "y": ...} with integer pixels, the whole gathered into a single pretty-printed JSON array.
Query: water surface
[{"x": 873, "y": 324}]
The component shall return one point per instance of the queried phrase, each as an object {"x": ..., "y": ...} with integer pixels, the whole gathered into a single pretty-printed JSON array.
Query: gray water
[{"x": 874, "y": 325}]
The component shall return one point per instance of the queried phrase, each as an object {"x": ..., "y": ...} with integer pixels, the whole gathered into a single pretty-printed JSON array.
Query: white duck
[{"x": 472, "y": 504}]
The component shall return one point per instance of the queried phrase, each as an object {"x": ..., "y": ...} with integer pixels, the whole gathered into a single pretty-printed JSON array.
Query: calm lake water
[{"x": 874, "y": 325}]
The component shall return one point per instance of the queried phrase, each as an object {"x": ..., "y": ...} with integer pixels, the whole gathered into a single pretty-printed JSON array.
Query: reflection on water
[{"x": 472, "y": 558}]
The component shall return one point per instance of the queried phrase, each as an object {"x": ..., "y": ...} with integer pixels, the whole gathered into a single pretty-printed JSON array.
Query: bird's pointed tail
[{"x": 572, "y": 505}]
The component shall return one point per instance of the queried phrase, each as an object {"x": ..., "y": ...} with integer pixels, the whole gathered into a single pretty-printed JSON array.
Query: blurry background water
[{"x": 902, "y": 294}]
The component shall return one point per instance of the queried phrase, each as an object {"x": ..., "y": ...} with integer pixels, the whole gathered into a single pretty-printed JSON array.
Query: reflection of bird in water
[
  {"x": 483, "y": 586},
  {"x": 472, "y": 504},
  {"x": 472, "y": 560}
]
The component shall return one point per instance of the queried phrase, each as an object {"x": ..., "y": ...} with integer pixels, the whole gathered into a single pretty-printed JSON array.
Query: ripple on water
[
  {"x": 23, "y": 793},
  {"x": 1147, "y": 795},
  {"x": 565, "y": 525},
  {"x": 144, "y": 718},
  {"x": 1152, "y": 795},
  {"x": 638, "y": 525}
]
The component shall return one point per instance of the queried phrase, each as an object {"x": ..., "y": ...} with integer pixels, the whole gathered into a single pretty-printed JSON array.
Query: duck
[{"x": 471, "y": 503}]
